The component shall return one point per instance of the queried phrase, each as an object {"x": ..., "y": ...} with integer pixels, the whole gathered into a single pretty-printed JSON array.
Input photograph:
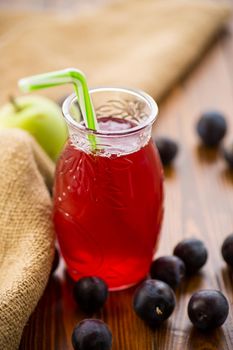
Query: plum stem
[{"x": 158, "y": 311}]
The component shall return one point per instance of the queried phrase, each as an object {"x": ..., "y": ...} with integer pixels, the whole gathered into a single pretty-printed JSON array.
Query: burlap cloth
[
  {"x": 26, "y": 231},
  {"x": 145, "y": 44}
]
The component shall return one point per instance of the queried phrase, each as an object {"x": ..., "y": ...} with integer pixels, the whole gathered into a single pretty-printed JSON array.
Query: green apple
[{"x": 41, "y": 117}]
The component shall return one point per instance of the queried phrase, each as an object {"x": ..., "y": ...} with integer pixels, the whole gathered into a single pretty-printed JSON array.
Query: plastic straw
[{"x": 61, "y": 77}]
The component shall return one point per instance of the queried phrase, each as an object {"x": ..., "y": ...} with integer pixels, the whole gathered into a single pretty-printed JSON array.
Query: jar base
[
  {"x": 126, "y": 286},
  {"x": 75, "y": 277}
]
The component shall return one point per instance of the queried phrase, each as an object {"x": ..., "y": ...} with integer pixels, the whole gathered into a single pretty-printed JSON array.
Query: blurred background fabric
[{"x": 142, "y": 44}]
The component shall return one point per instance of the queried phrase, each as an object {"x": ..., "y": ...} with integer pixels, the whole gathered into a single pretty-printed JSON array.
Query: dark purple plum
[
  {"x": 211, "y": 128},
  {"x": 154, "y": 302},
  {"x": 91, "y": 334},
  {"x": 193, "y": 253},
  {"x": 227, "y": 250},
  {"x": 169, "y": 269},
  {"x": 90, "y": 293},
  {"x": 167, "y": 148},
  {"x": 208, "y": 309}
]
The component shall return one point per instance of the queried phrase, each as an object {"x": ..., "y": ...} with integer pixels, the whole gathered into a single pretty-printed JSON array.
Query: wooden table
[{"x": 199, "y": 202}]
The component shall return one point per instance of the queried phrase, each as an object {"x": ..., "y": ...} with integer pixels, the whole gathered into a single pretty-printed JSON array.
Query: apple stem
[{"x": 14, "y": 103}]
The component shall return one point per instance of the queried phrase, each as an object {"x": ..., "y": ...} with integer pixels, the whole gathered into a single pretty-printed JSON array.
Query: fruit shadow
[
  {"x": 227, "y": 271},
  {"x": 205, "y": 340},
  {"x": 161, "y": 328},
  {"x": 68, "y": 280},
  {"x": 227, "y": 175},
  {"x": 206, "y": 154},
  {"x": 190, "y": 285},
  {"x": 227, "y": 276},
  {"x": 169, "y": 172}
]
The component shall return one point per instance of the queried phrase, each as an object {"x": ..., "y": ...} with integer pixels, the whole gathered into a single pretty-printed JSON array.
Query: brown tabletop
[{"x": 199, "y": 202}]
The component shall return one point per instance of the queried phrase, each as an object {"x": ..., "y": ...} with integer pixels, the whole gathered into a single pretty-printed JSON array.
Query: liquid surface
[
  {"x": 115, "y": 124},
  {"x": 108, "y": 212}
]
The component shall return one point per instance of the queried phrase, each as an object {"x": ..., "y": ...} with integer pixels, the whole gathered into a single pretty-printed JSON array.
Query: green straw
[{"x": 61, "y": 77}]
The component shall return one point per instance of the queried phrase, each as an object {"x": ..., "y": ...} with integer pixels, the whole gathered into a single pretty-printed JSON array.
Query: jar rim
[{"x": 139, "y": 93}]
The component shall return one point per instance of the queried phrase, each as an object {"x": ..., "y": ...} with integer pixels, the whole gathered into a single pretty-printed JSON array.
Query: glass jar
[{"x": 108, "y": 195}]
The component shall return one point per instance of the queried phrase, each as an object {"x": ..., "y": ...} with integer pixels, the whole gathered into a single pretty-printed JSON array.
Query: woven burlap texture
[
  {"x": 145, "y": 44},
  {"x": 26, "y": 231}
]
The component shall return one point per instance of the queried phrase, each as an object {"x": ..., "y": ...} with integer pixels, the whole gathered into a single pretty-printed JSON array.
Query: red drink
[{"x": 108, "y": 210}]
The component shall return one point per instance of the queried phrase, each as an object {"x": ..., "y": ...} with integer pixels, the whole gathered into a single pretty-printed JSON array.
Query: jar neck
[{"x": 109, "y": 145}]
